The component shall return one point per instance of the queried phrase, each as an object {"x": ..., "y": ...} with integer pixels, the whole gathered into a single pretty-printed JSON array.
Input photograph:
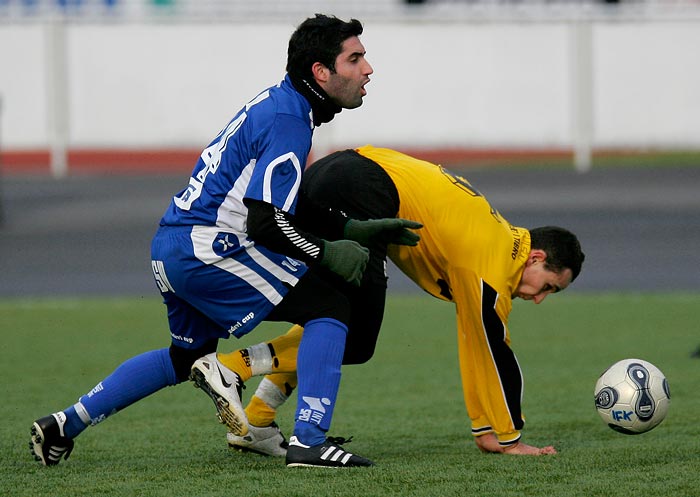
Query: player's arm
[
  {"x": 277, "y": 230},
  {"x": 274, "y": 228},
  {"x": 491, "y": 377}
]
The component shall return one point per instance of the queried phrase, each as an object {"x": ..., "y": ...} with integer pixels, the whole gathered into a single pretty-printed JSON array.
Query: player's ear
[
  {"x": 321, "y": 73},
  {"x": 537, "y": 255}
]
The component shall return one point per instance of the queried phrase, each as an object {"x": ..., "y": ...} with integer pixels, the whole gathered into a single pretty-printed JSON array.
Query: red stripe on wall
[
  {"x": 102, "y": 161},
  {"x": 133, "y": 161}
]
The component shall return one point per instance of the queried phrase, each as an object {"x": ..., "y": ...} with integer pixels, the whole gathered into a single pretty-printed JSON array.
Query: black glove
[
  {"x": 345, "y": 258},
  {"x": 390, "y": 230}
]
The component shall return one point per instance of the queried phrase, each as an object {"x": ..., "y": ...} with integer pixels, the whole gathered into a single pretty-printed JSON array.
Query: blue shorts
[{"x": 216, "y": 284}]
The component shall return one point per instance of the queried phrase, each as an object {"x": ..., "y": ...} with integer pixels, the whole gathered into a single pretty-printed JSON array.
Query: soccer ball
[{"x": 632, "y": 396}]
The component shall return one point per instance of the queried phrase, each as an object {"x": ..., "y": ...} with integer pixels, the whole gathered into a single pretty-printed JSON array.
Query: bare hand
[{"x": 489, "y": 444}]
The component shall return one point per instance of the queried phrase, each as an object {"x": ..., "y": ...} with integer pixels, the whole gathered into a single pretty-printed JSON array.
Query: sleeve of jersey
[
  {"x": 274, "y": 229},
  {"x": 491, "y": 377},
  {"x": 283, "y": 151}
]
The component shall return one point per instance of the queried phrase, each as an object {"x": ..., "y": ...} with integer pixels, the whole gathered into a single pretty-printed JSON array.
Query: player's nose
[{"x": 539, "y": 298}]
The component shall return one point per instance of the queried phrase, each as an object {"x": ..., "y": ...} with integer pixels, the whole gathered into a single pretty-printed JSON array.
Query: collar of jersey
[{"x": 323, "y": 108}]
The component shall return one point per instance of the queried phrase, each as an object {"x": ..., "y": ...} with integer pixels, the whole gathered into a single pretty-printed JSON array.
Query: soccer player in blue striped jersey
[{"x": 229, "y": 254}]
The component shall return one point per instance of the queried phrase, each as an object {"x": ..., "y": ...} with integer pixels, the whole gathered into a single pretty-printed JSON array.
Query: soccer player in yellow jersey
[{"x": 468, "y": 254}]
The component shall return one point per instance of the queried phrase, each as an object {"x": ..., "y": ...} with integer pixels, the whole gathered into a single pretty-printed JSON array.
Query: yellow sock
[
  {"x": 285, "y": 348},
  {"x": 279, "y": 355},
  {"x": 259, "y": 413},
  {"x": 238, "y": 361},
  {"x": 285, "y": 382},
  {"x": 272, "y": 392}
]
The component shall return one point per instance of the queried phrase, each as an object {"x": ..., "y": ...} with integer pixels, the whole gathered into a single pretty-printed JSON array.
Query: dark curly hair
[
  {"x": 318, "y": 39},
  {"x": 562, "y": 247}
]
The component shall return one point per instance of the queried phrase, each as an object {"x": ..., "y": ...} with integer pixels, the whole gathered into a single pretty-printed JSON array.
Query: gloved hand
[
  {"x": 345, "y": 258},
  {"x": 389, "y": 230}
]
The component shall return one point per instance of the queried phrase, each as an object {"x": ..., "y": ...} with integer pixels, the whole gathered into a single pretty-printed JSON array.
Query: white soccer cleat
[
  {"x": 224, "y": 387},
  {"x": 264, "y": 440}
]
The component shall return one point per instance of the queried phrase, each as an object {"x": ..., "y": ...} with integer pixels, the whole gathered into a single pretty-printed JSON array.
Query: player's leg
[
  {"x": 273, "y": 391},
  {"x": 193, "y": 335},
  {"x": 324, "y": 312},
  {"x": 136, "y": 378},
  {"x": 277, "y": 358},
  {"x": 349, "y": 182},
  {"x": 213, "y": 274},
  {"x": 133, "y": 380},
  {"x": 265, "y": 436},
  {"x": 367, "y": 303},
  {"x": 278, "y": 355}
]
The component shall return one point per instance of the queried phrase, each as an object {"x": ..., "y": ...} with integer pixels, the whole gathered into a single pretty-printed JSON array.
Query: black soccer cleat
[
  {"x": 327, "y": 455},
  {"x": 47, "y": 443}
]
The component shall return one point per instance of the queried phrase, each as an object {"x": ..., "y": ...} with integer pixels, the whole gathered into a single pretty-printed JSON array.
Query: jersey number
[
  {"x": 211, "y": 156},
  {"x": 464, "y": 185}
]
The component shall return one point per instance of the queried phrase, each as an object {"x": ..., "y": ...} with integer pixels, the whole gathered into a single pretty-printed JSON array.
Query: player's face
[
  {"x": 346, "y": 86},
  {"x": 538, "y": 282}
]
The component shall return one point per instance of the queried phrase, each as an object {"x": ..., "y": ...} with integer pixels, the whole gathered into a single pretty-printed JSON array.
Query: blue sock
[
  {"x": 318, "y": 371},
  {"x": 74, "y": 425},
  {"x": 133, "y": 380}
]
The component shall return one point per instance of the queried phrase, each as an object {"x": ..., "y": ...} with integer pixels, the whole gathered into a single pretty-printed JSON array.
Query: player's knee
[
  {"x": 333, "y": 305},
  {"x": 362, "y": 337},
  {"x": 343, "y": 309},
  {"x": 359, "y": 356}
]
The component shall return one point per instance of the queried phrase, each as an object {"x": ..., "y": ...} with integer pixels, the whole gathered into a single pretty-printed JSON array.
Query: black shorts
[{"x": 348, "y": 182}]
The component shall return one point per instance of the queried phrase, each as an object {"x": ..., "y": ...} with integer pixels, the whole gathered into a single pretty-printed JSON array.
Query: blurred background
[{"x": 584, "y": 114}]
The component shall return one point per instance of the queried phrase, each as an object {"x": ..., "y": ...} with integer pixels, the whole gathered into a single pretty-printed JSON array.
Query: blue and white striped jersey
[
  {"x": 260, "y": 155},
  {"x": 202, "y": 252}
]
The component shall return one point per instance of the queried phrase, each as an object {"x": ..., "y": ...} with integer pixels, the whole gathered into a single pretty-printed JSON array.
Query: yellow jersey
[{"x": 470, "y": 255}]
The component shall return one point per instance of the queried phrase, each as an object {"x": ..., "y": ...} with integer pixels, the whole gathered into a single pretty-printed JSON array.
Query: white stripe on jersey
[
  {"x": 232, "y": 212},
  {"x": 202, "y": 239},
  {"x": 267, "y": 182},
  {"x": 258, "y": 257}
]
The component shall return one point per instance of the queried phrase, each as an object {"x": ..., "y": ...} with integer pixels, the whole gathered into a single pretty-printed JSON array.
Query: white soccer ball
[{"x": 632, "y": 396}]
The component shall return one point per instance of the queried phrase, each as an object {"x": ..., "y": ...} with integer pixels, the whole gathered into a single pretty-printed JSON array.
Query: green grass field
[{"x": 404, "y": 408}]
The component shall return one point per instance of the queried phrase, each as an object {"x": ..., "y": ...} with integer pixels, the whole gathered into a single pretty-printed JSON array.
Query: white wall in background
[{"x": 496, "y": 84}]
